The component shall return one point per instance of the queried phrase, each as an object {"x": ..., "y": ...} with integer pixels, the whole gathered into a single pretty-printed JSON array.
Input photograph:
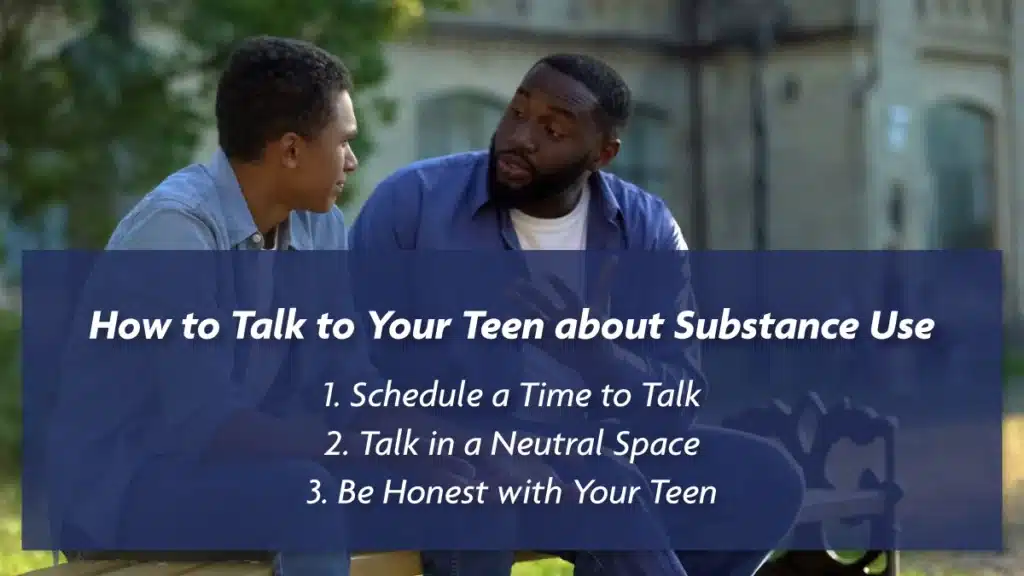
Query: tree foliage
[{"x": 122, "y": 100}]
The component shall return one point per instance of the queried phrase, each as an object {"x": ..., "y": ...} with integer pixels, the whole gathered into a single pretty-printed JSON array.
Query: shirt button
[{"x": 256, "y": 238}]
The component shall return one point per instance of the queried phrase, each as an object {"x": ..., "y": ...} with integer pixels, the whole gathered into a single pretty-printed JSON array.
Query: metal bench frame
[{"x": 874, "y": 501}]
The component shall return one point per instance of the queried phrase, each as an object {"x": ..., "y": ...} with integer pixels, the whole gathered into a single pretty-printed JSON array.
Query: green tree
[{"x": 108, "y": 115}]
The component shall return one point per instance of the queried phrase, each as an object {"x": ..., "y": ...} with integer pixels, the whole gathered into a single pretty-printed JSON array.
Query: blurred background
[{"x": 767, "y": 124}]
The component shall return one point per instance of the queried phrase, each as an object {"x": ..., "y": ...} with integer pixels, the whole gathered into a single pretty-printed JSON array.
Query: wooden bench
[
  {"x": 873, "y": 502},
  {"x": 378, "y": 564}
]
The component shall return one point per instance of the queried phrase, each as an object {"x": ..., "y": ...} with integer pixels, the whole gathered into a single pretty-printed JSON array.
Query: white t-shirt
[{"x": 566, "y": 233}]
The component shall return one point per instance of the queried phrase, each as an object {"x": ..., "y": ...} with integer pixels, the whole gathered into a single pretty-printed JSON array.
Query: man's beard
[{"x": 542, "y": 186}]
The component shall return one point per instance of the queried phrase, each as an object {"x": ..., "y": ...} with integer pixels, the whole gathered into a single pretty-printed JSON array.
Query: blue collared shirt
[
  {"x": 200, "y": 207},
  {"x": 442, "y": 204}
]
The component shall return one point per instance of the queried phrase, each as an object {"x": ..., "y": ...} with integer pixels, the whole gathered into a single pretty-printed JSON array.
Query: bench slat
[
  {"x": 99, "y": 568},
  {"x": 405, "y": 563},
  {"x": 230, "y": 569},
  {"x": 387, "y": 564},
  {"x": 159, "y": 569},
  {"x": 821, "y": 505}
]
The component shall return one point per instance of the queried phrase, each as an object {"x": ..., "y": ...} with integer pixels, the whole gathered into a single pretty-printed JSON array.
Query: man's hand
[
  {"x": 539, "y": 305},
  {"x": 573, "y": 304}
]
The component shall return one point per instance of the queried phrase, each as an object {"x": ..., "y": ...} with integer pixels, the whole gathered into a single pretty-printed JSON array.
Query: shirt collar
[
  {"x": 237, "y": 217},
  {"x": 601, "y": 183},
  {"x": 299, "y": 237}
]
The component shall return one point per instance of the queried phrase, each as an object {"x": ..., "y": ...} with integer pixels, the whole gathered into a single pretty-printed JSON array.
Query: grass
[
  {"x": 12, "y": 559},
  {"x": 553, "y": 567},
  {"x": 1013, "y": 367}
]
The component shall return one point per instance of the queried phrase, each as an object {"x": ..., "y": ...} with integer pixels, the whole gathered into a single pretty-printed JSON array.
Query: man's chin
[
  {"x": 505, "y": 200},
  {"x": 325, "y": 206},
  {"x": 508, "y": 195},
  {"x": 516, "y": 187}
]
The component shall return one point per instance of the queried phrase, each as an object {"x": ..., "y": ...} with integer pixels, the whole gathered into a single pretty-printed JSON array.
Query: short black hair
[
  {"x": 612, "y": 93},
  {"x": 272, "y": 86}
]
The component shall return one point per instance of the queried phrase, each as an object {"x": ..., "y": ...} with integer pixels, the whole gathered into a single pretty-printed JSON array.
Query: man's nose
[
  {"x": 522, "y": 138},
  {"x": 351, "y": 162}
]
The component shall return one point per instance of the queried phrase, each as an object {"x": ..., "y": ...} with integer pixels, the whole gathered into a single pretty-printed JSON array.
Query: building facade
[{"x": 887, "y": 124}]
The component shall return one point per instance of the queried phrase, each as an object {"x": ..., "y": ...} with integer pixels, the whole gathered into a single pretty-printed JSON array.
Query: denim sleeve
[
  {"x": 387, "y": 221},
  {"x": 348, "y": 362},
  {"x": 673, "y": 361},
  {"x": 192, "y": 379},
  {"x": 670, "y": 238},
  {"x": 664, "y": 360},
  {"x": 385, "y": 228},
  {"x": 165, "y": 228}
]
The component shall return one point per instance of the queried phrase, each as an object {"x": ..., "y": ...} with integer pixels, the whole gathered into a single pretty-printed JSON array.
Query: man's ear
[
  {"x": 608, "y": 153},
  {"x": 289, "y": 149}
]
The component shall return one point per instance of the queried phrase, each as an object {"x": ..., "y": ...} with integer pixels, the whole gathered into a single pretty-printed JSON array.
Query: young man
[
  {"x": 285, "y": 121},
  {"x": 540, "y": 187}
]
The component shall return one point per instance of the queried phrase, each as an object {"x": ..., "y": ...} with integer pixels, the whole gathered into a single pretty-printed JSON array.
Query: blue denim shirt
[
  {"x": 442, "y": 204},
  {"x": 200, "y": 207}
]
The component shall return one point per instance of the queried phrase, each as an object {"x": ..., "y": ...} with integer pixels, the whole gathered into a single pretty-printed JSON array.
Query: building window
[
  {"x": 456, "y": 122},
  {"x": 644, "y": 156},
  {"x": 961, "y": 161},
  {"x": 897, "y": 211}
]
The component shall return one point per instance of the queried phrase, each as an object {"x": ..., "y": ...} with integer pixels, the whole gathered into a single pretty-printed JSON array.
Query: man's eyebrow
[
  {"x": 570, "y": 114},
  {"x": 560, "y": 110}
]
